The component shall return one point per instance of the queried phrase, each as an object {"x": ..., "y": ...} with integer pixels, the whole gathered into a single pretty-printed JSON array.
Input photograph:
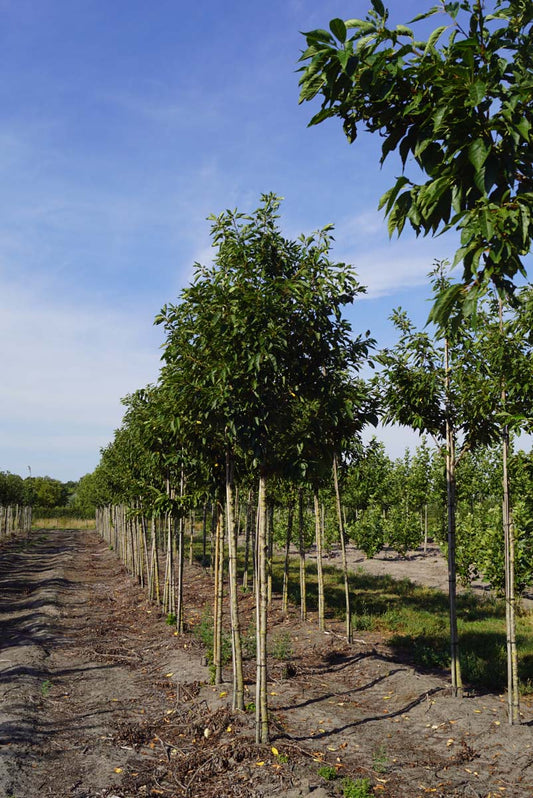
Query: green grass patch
[
  {"x": 416, "y": 618},
  {"x": 413, "y": 617}
]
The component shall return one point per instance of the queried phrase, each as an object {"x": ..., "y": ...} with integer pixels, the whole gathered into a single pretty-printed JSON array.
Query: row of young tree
[
  {"x": 456, "y": 107},
  {"x": 259, "y": 367},
  {"x": 401, "y": 504},
  {"x": 260, "y": 387}
]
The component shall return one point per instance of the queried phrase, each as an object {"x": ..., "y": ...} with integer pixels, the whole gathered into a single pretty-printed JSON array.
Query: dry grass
[{"x": 63, "y": 523}]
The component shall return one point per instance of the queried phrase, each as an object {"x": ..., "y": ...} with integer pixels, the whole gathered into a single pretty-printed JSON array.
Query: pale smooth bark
[
  {"x": 340, "y": 517},
  {"x": 286, "y": 562},
  {"x": 261, "y": 586},
  {"x": 301, "y": 541},
  {"x": 218, "y": 597},
  {"x": 319, "y": 561},
  {"x": 238, "y": 680},
  {"x": 457, "y": 684}
]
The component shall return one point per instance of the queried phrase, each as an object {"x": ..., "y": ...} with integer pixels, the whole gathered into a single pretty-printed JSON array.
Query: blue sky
[{"x": 123, "y": 125}]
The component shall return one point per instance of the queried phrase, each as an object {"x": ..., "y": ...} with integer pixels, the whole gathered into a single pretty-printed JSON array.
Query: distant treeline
[{"x": 49, "y": 498}]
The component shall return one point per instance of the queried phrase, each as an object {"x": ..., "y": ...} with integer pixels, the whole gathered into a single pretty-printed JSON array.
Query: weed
[
  {"x": 250, "y": 707},
  {"x": 328, "y": 772},
  {"x": 363, "y": 622},
  {"x": 45, "y": 688},
  {"x": 380, "y": 759},
  {"x": 204, "y": 632},
  {"x": 281, "y": 647},
  {"x": 249, "y": 643},
  {"x": 360, "y": 788},
  {"x": 171, "y": 619}
]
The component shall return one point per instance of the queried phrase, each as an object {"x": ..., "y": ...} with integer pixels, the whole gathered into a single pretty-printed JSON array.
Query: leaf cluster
[
  {"x": 258, "y": 358},
  {"x": 457, "y": 107}
]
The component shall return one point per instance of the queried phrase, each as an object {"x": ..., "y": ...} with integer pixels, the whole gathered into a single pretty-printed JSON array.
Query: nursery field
[{"x": 100, "y": 697}]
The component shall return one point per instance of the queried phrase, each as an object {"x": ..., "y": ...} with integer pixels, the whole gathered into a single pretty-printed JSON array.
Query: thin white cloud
[
  {"x": 397, "y": 265},
  {"x": 64, "y": 371}
]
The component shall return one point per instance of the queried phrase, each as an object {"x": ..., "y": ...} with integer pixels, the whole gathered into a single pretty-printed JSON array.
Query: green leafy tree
[
  {"x": 12, "y": 489},
  {"x": 260, "y": 362},
  {"x": 429, "y": 385},
  {"x": 47, "y": 492}
]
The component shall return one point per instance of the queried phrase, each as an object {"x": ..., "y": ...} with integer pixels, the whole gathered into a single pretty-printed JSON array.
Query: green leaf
[
  {"x": 477, "y": 92},
  {"x": 478, "y": 153},
  {"x": 364, "y": 25},
  {"x": 426, "y": 14},
  {"x": 435, "y": 36},
  {"x": 378, "y": 7},
  {"x": 452, "y": 9},
  {"x": 338, "y": 28},
  {"x": 403, "y": 30},
  {"x": 389, "y": 197},
  {"x": 524, "y": 128},
  {"x": 355, "y": 23}
]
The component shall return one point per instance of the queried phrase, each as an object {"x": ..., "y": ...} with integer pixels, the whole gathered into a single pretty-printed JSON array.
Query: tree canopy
[{"x": 458, "y": 108}]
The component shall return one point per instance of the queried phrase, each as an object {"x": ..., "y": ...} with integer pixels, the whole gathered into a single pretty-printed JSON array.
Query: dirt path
[
  {"x": 99, "y": 698},
  {"x": 75, "y": 663}
]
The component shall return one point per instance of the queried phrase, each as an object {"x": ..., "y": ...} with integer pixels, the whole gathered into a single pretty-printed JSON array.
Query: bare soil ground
[{"x": 99, "y": 698}]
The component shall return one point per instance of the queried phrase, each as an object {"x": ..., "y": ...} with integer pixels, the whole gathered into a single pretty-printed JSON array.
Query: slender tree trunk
[
  {"x": 261, "y": 702},
  {"x": 319, "y": 562},
  {"x": 219, "y": 596},
  {"x": 301, "y": 541},
  {"x": 425, "y": 528},
  {"x": 340, "y": 516},
  {"x": 213, "y": 537},
  {"x": 180, "y": 560},
  {"x": 286, "y": 562},
  {"x": 204, "y": 536},
  {"x": 168, "y": 585},
  {"x": 247, "y": 537},
  {"x": 144, "y": 537},
  {"x": 457, "y": 685},
  {"x": 513, "y": 694},
  {"x": 155, "y": 565},
  {"x": 238, "y": 680},
  {"x": 191, "y": 536},
  {"x": 270, "y": 549}
]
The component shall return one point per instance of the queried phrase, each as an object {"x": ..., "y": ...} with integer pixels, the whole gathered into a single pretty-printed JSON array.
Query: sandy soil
[{"x": 99, "y": 698}]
